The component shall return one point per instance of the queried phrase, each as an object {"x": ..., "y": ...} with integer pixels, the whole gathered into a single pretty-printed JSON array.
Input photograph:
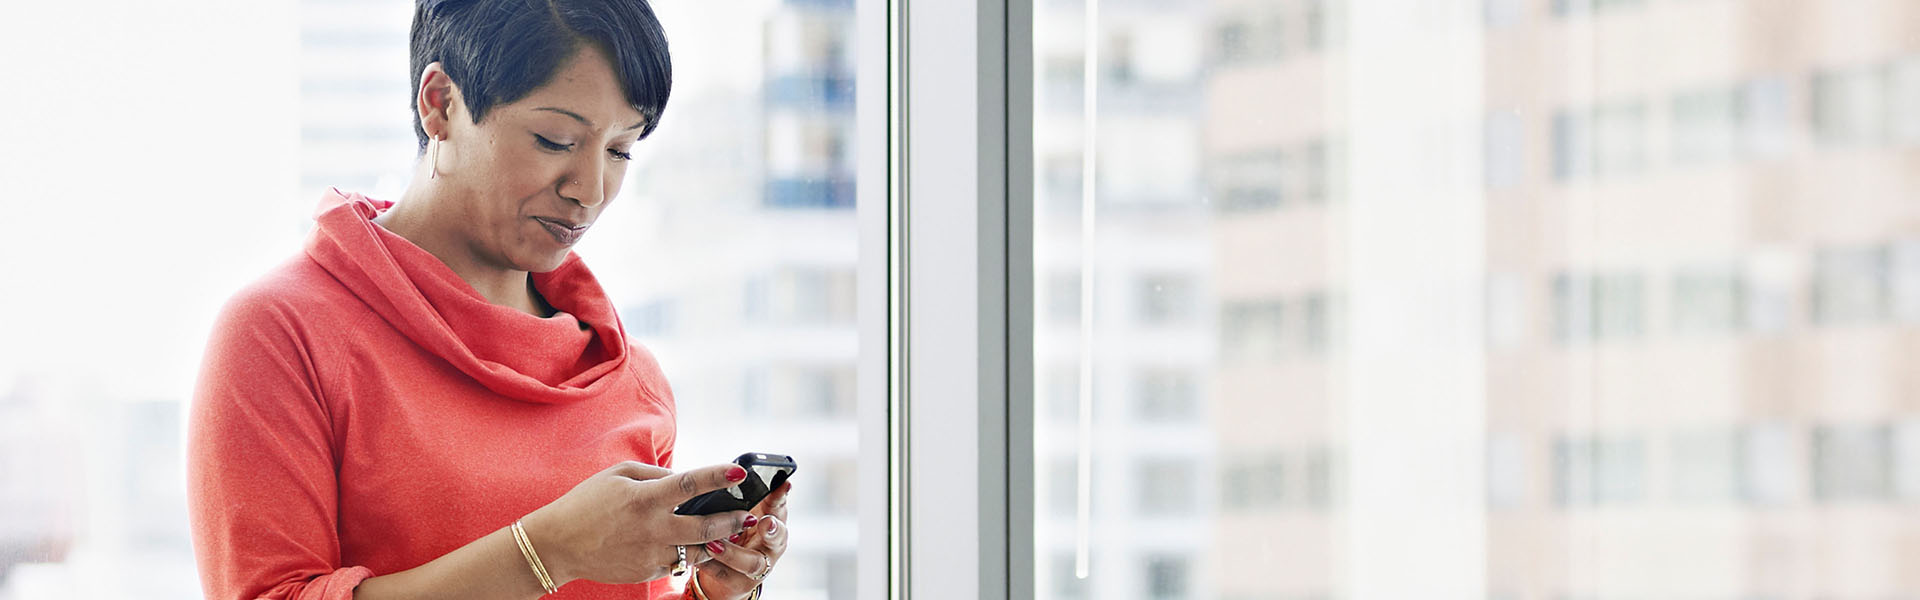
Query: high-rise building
[
  {"x": 1144, "y": 260},
  {"x": 356, "y": 130},
  {"x": 1274, "y": 132},
  {"x": 742, "y": 264},
  {"x": 1702, "y": 261}
]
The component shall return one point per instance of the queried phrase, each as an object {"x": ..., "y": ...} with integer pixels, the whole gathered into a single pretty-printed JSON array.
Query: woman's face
[{"x": 532, "y": 176}]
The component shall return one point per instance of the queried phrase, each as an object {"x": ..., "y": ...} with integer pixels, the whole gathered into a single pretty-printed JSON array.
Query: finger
[
  {"x": 777, "y": 497},
  {"x": 637, "y": 471},
  {"x": 780, "y": 507},
  {"x": 751, "y": 535},
  {"x": 687, "y": 484},
  {"x": 697, "y": 554},
  {"x": 759, "y": 529},
  {"x": 699, "y": 529},
  {"x": 745, "y": 561},
  {"x": 719, "y": 579},
  {"x": 776, "y": 501},
  {"x": 771, "y": 536}
]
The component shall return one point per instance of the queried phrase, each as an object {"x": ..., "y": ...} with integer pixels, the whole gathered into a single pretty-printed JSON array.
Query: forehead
[{"x": 585, "y": 84}]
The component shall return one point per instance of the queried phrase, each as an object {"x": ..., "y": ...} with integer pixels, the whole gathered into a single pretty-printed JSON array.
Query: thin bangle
[
  {"x": 699, "y": 594},
  {"x": 693, "y": 585},
  {"x": 533, "y": 558}
]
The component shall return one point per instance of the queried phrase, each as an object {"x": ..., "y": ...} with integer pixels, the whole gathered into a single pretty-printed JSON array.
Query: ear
[{"x": 436, "y": 100}]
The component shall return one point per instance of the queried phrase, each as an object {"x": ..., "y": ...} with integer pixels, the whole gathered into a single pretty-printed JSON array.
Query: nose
[{"x": 585, "y": 186}]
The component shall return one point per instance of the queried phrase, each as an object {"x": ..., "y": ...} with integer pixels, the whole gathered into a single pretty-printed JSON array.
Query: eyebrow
[{"x": 583, "y": 120}]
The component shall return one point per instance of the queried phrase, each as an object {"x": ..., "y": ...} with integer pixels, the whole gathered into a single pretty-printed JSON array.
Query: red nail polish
[
  {"x": 716, "y": 548},
  {"x": 751, "y": 520},
  {"x": 735, "y": 538},
  {"x": 773, "y": 526},
  {"x": 736, "y": 474}
]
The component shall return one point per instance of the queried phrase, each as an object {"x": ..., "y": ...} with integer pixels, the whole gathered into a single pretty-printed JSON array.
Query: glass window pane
[
  {"x": 1506, "y": 162},
  {"x": 1850, "y": 105},
  {"x": 1851, "y": 462},
  {"x": 1512, "y": 299},
  {"x": 741, "y": 218}
]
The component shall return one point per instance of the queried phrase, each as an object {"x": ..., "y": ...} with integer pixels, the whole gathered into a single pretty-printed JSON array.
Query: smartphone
[{"x": 765, "y": 473}]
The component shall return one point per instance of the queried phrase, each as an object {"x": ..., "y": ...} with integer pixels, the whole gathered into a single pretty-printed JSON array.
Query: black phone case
[{"x": 747, "y": 493}]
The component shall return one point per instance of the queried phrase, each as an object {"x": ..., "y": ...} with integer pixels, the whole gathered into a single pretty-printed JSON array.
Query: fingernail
[
  {"x": 716, "y": 548},
  {"x": 736, "y": 474},
  {"x": 751, "y": 520},
  {"x": 735, "y": 538},
  {"x": 773, "y": 526}
]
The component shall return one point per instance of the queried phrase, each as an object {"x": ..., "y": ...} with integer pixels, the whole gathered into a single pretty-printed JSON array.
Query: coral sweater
[{"x": 361, "y": 410}]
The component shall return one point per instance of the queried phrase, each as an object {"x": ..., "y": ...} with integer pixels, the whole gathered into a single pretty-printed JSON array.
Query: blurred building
[
  {"x": 92, "y": 495},
  {"x": 356, "y": 96},
  {"x": 1703, "y": 305},
  {"x": 1273, "y": 114},
  {"x": 744, "y": 264},
  {"x": 92, "y": 477},
  {"x": 39, "y": 481},
  {"x": 1152, "y": 453}
]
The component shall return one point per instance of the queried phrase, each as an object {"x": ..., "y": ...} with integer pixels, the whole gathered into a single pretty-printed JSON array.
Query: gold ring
[
  {"x": 766, "y": 566},
  {"x": 680, "y": 565}
]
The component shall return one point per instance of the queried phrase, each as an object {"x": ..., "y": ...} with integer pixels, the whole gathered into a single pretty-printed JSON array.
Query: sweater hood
[{"x": 577, "y": 354}]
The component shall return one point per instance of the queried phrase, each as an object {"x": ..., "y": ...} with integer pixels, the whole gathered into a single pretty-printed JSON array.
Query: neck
[{"x": 415, "y": 218}]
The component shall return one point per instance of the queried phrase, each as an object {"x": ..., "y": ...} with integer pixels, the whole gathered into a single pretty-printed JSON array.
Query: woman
[{"x": 436, "y": 399}]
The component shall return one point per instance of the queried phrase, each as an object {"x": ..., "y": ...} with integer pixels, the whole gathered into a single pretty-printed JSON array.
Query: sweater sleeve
[{"x": 262, "y": 493}]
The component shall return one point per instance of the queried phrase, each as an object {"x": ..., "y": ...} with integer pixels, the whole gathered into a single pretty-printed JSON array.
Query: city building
[
  {"x": 737, "y": 270},
  {"x": 1703, "y": 271},
  {"x": 1147, "y": 518}
]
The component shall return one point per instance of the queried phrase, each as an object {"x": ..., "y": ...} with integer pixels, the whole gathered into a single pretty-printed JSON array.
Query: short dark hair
[{"x": 498, "y": 51}]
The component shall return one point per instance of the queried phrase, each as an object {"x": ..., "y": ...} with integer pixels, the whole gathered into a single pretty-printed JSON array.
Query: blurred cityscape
[
  {"x": 1702, "y": 306},
  {"x": 742, "y": 257}
]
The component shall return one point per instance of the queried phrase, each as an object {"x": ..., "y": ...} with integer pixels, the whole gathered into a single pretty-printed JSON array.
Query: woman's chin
[{"x": 541, "y": 262}]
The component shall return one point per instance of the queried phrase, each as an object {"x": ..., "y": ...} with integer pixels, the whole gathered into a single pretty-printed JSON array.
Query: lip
[{"x": 566, "y": 234}]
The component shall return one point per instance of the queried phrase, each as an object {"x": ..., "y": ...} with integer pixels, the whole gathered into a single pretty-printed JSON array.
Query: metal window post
[{"x": 961, "y": 96}]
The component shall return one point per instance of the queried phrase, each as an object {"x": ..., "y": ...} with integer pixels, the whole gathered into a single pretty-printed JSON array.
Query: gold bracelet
[
  {"x": 533, "y": 558},
  {"x": 699, "y": 594},
  {"x": 694, "y": 583}
]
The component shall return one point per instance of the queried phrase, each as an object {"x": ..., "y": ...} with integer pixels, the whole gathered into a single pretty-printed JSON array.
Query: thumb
[{"x": 704, "y": 479}]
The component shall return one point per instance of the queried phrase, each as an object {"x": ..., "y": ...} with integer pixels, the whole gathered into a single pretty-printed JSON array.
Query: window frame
[{"x": 955, "y": 409}]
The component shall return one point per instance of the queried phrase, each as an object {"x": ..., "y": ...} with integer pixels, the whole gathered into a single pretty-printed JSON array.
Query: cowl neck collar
[{"x": 574, "y": 355}]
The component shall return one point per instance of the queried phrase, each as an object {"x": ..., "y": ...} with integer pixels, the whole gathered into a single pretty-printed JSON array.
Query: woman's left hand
[{"x": 743, "y": 560}]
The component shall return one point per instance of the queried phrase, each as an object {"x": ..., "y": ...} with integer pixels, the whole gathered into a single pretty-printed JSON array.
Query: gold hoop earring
[{"x": 433, "y": 158}]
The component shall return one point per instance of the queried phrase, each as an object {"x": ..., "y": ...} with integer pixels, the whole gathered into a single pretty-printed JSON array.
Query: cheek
[
  {"x": 614, "y": 181},
  {"x": 519, "y": 174},
  {"x": 616, "y": 178}
]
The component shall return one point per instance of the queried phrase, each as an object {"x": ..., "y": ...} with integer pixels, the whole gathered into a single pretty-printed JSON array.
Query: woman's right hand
[{"x": 618, "y": 526}]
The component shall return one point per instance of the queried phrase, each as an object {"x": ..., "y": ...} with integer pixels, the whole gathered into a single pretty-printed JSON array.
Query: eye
[
  {"x": 551, "y": 145},
  {"x": 619, "y": 154}
]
